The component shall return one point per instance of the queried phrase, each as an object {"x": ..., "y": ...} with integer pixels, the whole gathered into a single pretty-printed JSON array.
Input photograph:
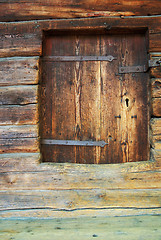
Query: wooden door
[{"x": 85, "y": 100}]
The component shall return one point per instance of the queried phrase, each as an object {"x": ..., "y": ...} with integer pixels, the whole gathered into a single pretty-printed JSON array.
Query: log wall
[{"x": 24, "y": 182}]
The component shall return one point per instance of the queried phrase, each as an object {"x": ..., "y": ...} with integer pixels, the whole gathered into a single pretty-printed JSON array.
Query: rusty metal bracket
[{"x": 139, "y": 68}]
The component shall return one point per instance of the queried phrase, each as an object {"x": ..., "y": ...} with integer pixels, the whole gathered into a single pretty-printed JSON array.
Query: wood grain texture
[
  {"x": 22, "y": 41},
  {"x": 59, "y": 177},
  {"x": 155, "y": 124},
  {"x": 39, "y": 9},
  {"x": 87, "y": 97},
  {"x": 18, "y": 95},
  {"x": 27, "y": 162},
  {"x": 85, "y": 227},
  {"x": 19, "y": 162},
  {"x": 18, "y": 115},
  {"x": 19, "y": 145},
  {"x": 156, "y": 88},
  {"x": 155, "y": 72},
  {"x": 47, "y": 213},
  {"x": 18, "y": 131},
  {"x": 79, "y": 199},
  {"x": 156, "y": 153},
  {"x": 25, "y": 38},
  {"x": 19, "y": 71},
  {"x": 156, "y": 107}
]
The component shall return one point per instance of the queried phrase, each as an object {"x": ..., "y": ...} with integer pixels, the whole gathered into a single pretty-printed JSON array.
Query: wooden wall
[
  {"x": 54, "y": 189},
  {"x": 14, "y": 10}
]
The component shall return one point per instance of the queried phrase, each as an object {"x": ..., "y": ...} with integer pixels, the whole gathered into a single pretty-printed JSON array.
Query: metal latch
[
  {"x": 73, "y": 143},
  {"x": 139, "y": 69}
]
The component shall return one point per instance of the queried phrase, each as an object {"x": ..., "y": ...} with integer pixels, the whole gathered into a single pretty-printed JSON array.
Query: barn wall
[{"x": 24, "y": 182}]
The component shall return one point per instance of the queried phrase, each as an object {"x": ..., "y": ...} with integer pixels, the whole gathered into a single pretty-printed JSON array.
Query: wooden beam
[
  {"x": 39, "y": 9},
  {"x": 49, "y": 215},
  {"x": 19, "y": 71},
  {"x": 25, "y": 38},
  {"x": 156, "y": 107},
  {"x": 19, "y": 95},
  {"x": 59, "y": 177},
  {"x": 19, "y": 145},
  {"x": 80, "y": 199},
  {"x": 18, "y": 115},
  {"x": 19, "y": 162},
  {"x": 156, "y": 88},
  {"x": 155, "y": 124},
  {"x": 18, "y": 131}
]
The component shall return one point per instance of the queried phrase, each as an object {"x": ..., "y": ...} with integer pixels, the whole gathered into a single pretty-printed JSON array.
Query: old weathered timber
[
  {"x": 17, "y": 115},
  {"x": 40, "y": 9},
  {"x": 18, "y": 71},
  {"x": 84, "y": 227},
  {"x": 25, "y": 38},
  {"x": 156, "y": 107},
  {"x": 69, "y": 189},
  {"x": 81, "y": 100},
  {"x": 156, "y": 88},
  {"x": 19, "y": 145},
  {"x": 18, "y": 95}
]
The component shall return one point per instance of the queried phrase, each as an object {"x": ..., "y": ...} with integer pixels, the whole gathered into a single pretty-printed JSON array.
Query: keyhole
[{"x": 127, "y": 102}]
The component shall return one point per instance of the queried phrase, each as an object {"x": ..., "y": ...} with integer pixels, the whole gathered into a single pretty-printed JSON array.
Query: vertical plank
[
  {"x": 89, "y": 129},
  {"x": 125, "y": 118},
  {"x": 110, "y": 101},
  {"x": 59, "y": 113}
]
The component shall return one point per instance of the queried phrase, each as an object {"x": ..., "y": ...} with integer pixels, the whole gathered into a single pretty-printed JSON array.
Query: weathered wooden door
[{"x": 85, "y": 98}]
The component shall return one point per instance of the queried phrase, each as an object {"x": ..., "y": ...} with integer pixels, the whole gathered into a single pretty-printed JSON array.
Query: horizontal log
[
  {"x": 61, "y": 178},
  {"x": 23, "y": 43},
  {"x": 155, "y": 42},
  {"x": 19, "y": 145},
  {"x": 155, "y": 72},
  {"x": 94, "y": 213},
  {"x": 156, "y": 107},
  {"x": 19, "y": 115},
  {"x": 76, "y": 199},
  {"x": 19, "y": 70},
  {"x": 31, "y": 162},
  {"x": 18, "y": 95},
  {"x": 25, "y": 38},
  {"x": 39, "y": 9},
  {"x": 155, "y": 124},
  {"x": 85, "y": 227},
  {"x": 156, "y": 88},
  {"x": 156, "y": 153},
  {"x": 156, "y": 142},
  {"x": 19, "y": 162},
  {"x": 18, "y": 131}
]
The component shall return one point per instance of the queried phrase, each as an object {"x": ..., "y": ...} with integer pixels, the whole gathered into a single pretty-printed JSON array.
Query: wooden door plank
[
  {"x": 60, "y": 107},
  {"x": 88, "y": 123},
  {"x": 135, "y": 99}
]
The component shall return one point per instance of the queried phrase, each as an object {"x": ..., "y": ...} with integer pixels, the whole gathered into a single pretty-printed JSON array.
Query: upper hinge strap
[{"x": 108, "y": 58}]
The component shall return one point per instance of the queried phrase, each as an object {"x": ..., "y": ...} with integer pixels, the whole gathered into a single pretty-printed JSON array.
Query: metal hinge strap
[
  {"x": 73, "y": 142},
  {"x": 77, "y": 58},
  {"x": 139, "y": 69}
]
